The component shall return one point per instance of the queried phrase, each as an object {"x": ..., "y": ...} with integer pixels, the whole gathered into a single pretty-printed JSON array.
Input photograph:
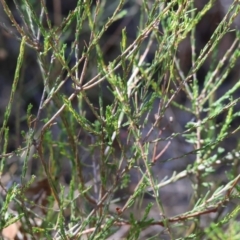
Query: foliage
[{"x": 115, "y": 124}]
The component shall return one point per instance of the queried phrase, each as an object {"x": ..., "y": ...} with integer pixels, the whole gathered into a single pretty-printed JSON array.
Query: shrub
[{"x": 135, "y": 134}]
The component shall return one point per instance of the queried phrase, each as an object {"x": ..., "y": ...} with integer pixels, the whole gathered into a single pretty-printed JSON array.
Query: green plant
[{"x": 120, "y": 127}]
